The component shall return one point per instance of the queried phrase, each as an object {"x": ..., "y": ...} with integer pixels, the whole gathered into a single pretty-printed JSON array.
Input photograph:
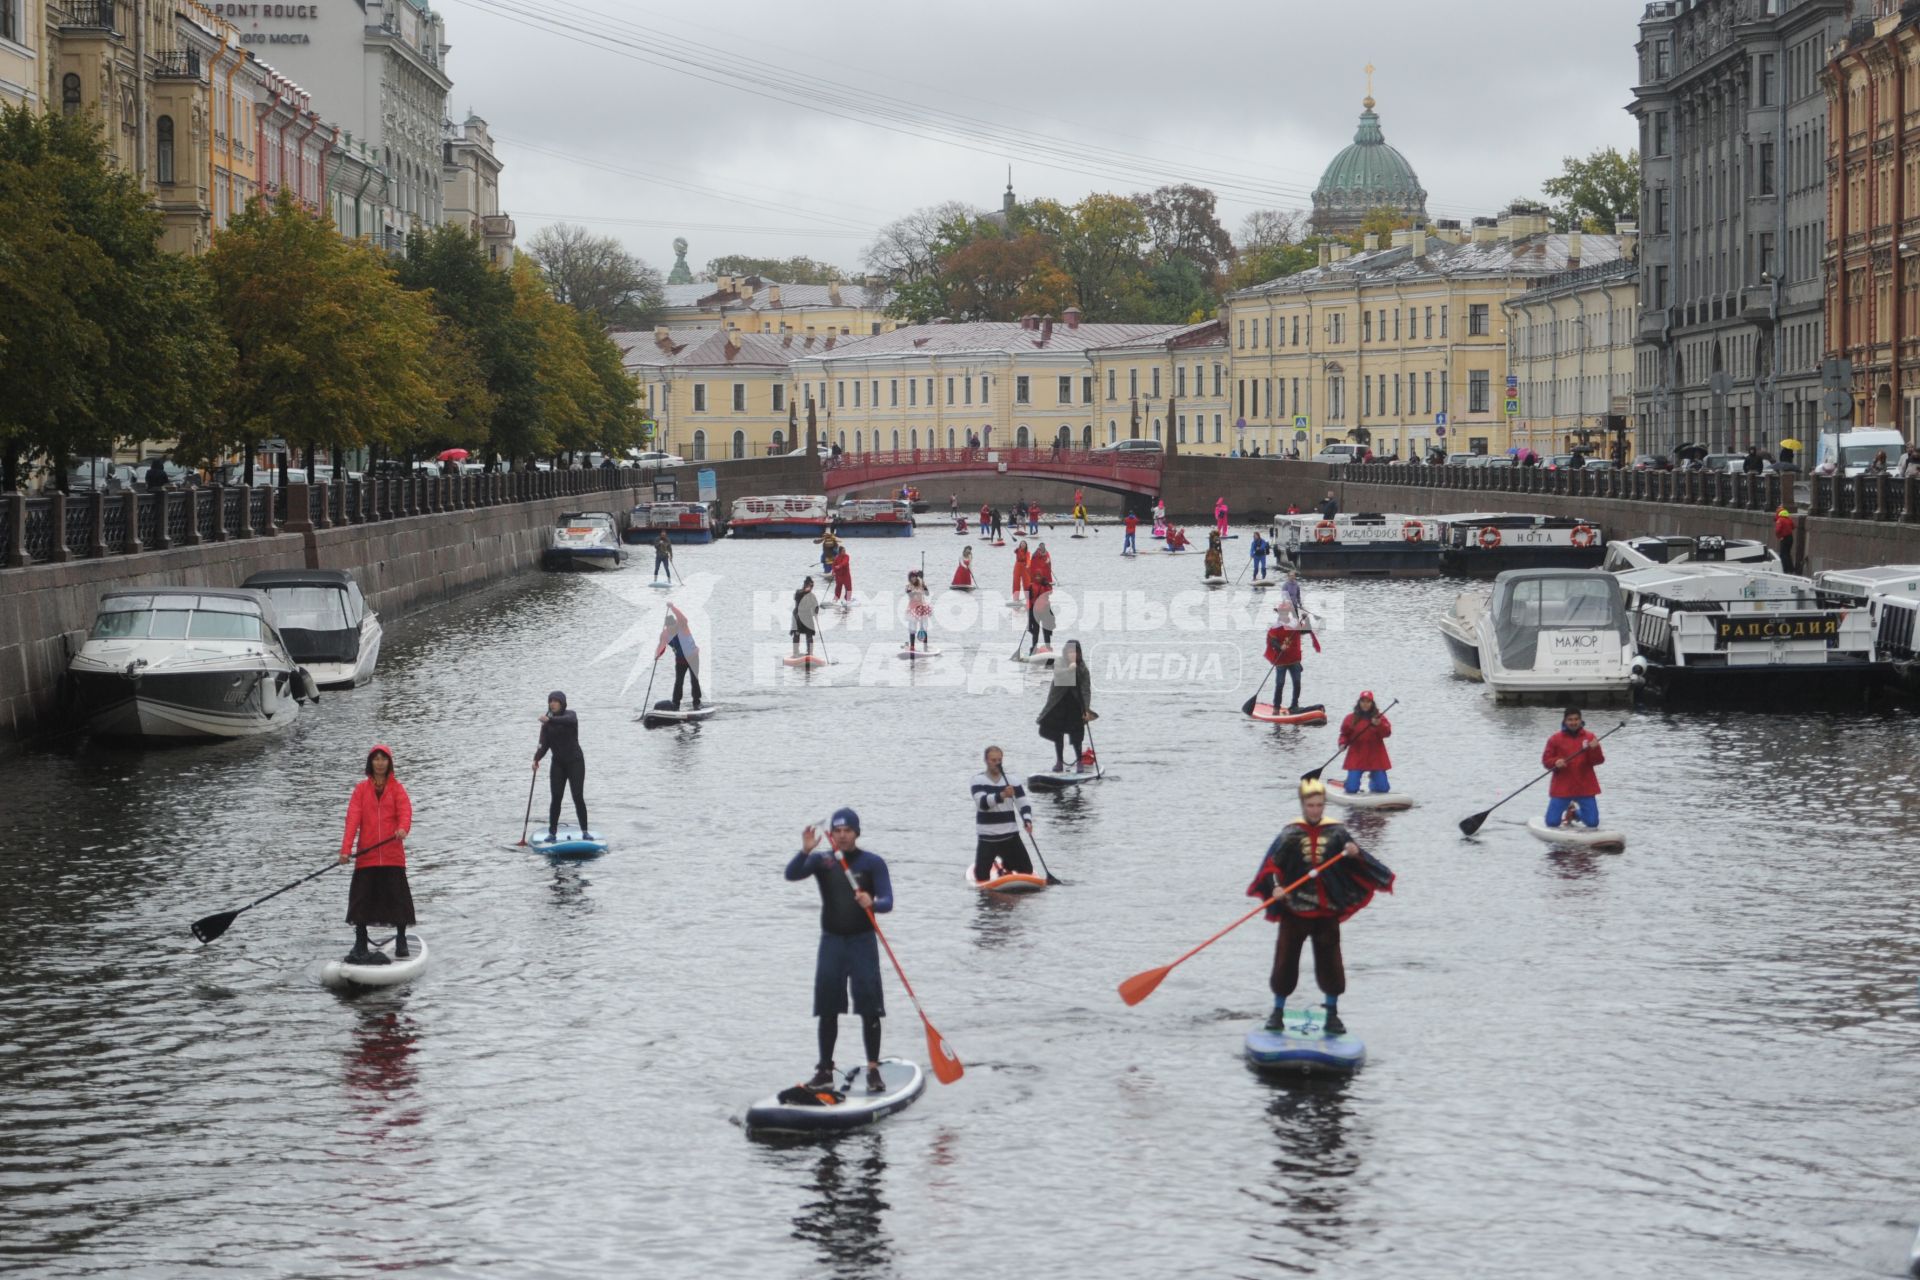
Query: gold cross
[{"x": 1369, "y": 79}]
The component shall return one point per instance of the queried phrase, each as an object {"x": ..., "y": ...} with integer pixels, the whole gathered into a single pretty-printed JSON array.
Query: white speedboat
[
  {"x": 1552, "y": 634},
  {"x": 586, "y": 540},
  {"x": 1747, "y": 637},
  {"x": 325, "y": 623},
  {"x": 1643, "y": 553},
  {"x": 186, "y": 662},
  {"x": 1890, "y": 593}
]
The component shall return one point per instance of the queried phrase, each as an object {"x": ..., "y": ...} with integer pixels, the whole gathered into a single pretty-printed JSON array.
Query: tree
[
  {"x": 1596, "y": 194},
  {"x": 907, "y": 249},
  {"x": 1273, "y": 243},
  {"x": 476, "y": 300},
  {"x": 596, "y": 275},
  {"x": 795, "y": 270},
  {"x": 1382, "y": 222},
  {"x": 991, "y": 278},
  {"x": 1181, "y": 223},
  {"x": 1271, "y": 229},
  {"x": 578, "y": 403},
  {"x": 1099, "y": 245}
]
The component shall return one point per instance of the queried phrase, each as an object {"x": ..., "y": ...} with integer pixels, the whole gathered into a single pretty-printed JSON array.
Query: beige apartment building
[
  {"x": 1170, "y": 386},
  {"x": 715, "y": 393},
  {"x": 1402, "y": 346},
  {"x": 1570, "y": 343}
]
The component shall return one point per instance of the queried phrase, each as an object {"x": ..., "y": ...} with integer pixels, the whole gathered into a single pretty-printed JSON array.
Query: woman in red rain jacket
[
  {"x": 1364, "y": 734},
  {"x": 1021, "y": 558},
  {"x": 378, "y": 814},
  {"x": 1571, "y": 754}
]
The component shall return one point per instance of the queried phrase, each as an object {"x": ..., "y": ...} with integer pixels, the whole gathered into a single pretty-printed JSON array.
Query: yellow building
[
  {"x": 1400, "y": 346},
  {"x": 713, "y": 393},
  {"x": 23, "y": 33},
  {"x": 753, "y": 305},
  {"x": 1570, "y": 343},
  {"x": 1172, "y": 383}
]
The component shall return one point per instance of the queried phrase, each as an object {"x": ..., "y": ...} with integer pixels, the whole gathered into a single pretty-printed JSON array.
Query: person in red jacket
[
  {"x": 378, "y": 814},
  {"x": 1129, "y": 547},
  {"x": 843, "y": 578},
  {"x": 1572, "y": 754},
  {"x": 1783, "y": 533},
  {"x": 1283, "y": 651},
  {"x": 1364, "y": 734},
  {"x": 1021, "y": 559}
]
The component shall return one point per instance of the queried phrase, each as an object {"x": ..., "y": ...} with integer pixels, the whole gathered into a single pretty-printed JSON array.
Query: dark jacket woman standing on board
[{"x": 380, "y": 810}]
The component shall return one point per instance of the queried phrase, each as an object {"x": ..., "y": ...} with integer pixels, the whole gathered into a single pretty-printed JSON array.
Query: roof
[
  {"x": 1368, "y": 175},
  {"x": 1536, "y": 255},
  {"x": 723, "y": 348},
  {"x": 709, "y": 295},
  {"x": 996, "y": 337},
  {"x": 227, "y": 593},
  {"x": 299, "y": 578}
]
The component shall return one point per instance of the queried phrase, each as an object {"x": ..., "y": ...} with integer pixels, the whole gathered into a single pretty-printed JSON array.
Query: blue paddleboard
[
  {"x": 570, "y": 844},
  {"x": 1304, "y": 1048}
]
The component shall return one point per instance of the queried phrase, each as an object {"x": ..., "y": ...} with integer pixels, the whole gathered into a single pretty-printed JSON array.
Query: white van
[
  {"x": 1338, "y": 453},
  {"x": 1851, "y": 452}
]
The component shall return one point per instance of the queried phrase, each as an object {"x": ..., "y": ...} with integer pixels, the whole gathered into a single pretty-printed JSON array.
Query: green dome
[{"x": 1368, "y": 175}]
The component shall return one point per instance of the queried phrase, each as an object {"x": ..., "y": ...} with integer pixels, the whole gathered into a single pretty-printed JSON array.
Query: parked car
[
  {"x": 1341, "y": 453},
  {"x": 104, "y": 474},
  {"x": 658, "y": 458},
  {"x": 1464, "y": 459},
  {"x": 1128, "y": 446},
  {"x": 1652, "y": 462}
]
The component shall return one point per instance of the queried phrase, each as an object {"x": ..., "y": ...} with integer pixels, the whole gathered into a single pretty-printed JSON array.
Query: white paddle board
[
  {"x": 914, "y": 655},
  {"x": 338, "y": 973},
  {"x": 904, "y": 1082},
  {"x": 1059, "y": 781},
  {"x": 1005, "y": 881},
  {"x": 1382, "y": 800},
  {"x": 667, "y": 715},
  {"x": 1576, "y": 836}
]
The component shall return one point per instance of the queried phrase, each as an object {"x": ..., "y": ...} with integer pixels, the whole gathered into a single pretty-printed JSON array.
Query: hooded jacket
[
  {"x": 1575, "y": 778},
  {"x": 373, "y": 815},
  {"x": 561, "y": 733},
  {"x": 1365, "y": 741}
]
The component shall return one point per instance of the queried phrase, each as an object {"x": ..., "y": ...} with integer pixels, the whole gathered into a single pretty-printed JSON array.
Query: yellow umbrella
[{"x": 1790, "y": 444}]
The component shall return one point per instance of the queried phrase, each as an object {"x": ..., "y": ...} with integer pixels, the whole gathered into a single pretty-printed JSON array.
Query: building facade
[
  {"x": 1733, "y": 124},
  {"x": 753, "y": 305},
  {"x": 23, "y": 34},
  {"x": 470, "y": 180},
  {"x": 1171, "y": 387},
  {"x": 1570, "y": 345},
  {"x": 1366, "y": 176},
  {"x": 715, "y": 393}
]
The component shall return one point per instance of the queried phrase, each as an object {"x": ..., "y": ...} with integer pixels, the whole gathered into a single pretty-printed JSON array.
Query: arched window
[
  {"x": 739, "y": 444},
  {"x": 70, "y": 94},
  {"x": 1065, "y": 436},
  {"x": 895, "y": 446},
  {"x": 1020, "y": 438},
  {"x": 913, "y": 440},
  {"x": 163, "y": 149},
  {"x": 779, "y": 442},
  {"x": 843, "y": 441},
  {"x": 953, "y": 438},
  {"x": 1113, "y": 431},
  {"x": 1087, "y": 437},
  {"x": 857, "y": 446},
  {"x": 1156, "y": 428},
  {"x": 699, "y": 446}
]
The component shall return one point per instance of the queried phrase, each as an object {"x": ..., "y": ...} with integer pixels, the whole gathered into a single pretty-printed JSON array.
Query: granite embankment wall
[{"x": 402, "y": 564}]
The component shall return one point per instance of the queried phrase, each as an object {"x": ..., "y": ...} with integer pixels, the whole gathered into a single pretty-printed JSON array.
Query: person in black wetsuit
[
  {"x": 854, "y": 885},
  {"x": 663, "y": 556},
  {"x": 560, "y": 734}
]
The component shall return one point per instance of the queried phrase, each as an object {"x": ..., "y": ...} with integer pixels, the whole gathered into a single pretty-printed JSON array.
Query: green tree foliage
[
  {"x": 1596, "y": 194},
  {"x": 796, "y": 270},
  {"x": 106, "y": 338},
  {"x": 448, "y": 265},
  {"x": 582, "y": 397}
]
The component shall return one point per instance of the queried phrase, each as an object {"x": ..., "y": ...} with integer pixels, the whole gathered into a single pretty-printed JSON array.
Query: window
[
  {"x": 1765, "y": 255},
  {"x": 1113, "y": 431},
  {"x": 949, "y": 390},
  {"x": 1479, "y": 391},
  {"x": 779, "y": 442},
  {"x": 1336, "y": 398},
  {"x": 1660, "y": 141},
  {"x": 859, "y": 442},
  {"x": 1066, "y": 388},
  {"x": 856, "y": 393},
  {"x": 1366, "y": 396},
  {"x": 1240, "y": 333},
  {"x": 1662, "y": 202},
  {"x": 1765, "y": 175},
  {"x": 1763, "y": 88},
  {"x": 1133, "y": 384},
  {"x": 966, "y": 389},
  {"x": 930, "y": 392},
  {"x": 699, "y": 397},
  {"x": 1243, "y": 397},
  {"x": 162, "y": 128},
  {"x": 1182, "y": 427},
  {"x": 1366, "y": 326},
  {"x": 913, "y": 391},
  {"x": 70, "y": 94},
  {"x": 1219, "y": 372},
  {"x": 10, "y": 20},
  {"x": 699, "y": 447},
  {"x": 1022, "y": 390},
  {"x": 1180, "y": 381},
  {"x": 1111, "y": 378},
  {"x": 895, "y": 436},
  {"x": 985, "y": 384},
  {"x": 1256, "y": 397},
  {"x": 1296, "y": 331},
  {"x": 873, "y": 399},
  {"x": 739, "y": 400},
  {"x": 1443, "y": 321},
  {"x": 1662, "y": 59},
  {"x": 1479, "y": 321},
  {"x": 1280, "y": 405},
  {"x": 840, "y": 392},
  {"x": 893, "y": 393},
  {"x": 739, "y": 444},
  {"x": 1156, "y": 383},
  {"x": 1429, "y": 322},
  {"x": 1086, "y": 389},
  {"x": 779, "y": 398},
  {"x": 1427, "y": 393},
  {"x": 1216, "y": 428},
  {"x": 913, "y": 440},
  {"x": 1269, "y": 333}
]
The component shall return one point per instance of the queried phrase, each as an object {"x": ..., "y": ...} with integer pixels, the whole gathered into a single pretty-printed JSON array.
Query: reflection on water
[
  {"x": 380, "y": 1074},
  {"x": 842, "y": 1220},
  {"x": 1314, "y": 1159}
]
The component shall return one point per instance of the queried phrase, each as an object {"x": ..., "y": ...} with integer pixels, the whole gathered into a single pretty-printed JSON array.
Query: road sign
[
  {"x": 1440, "y": 431},
  {"x": 1838, "y": 404},
  {"x": 1439, "y": 419},
  {"x": 1836, "y": 374},
  {"x": 1513, "y": 407},
  {"x": 1299, "y": 422},
  {"x": 1720, "y": 383}
]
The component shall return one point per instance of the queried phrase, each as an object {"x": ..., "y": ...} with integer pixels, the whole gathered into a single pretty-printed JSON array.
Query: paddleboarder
[
  {"x": 1022, "y": 558},
  {"x": 1315, "y": 911},
  {"x": 677, "y": 635},
  {"x": 1033, "y": 518},
  {"x": 560, "y": 734},
  {"x": 1000, "y": 809},
  {"x": 1574, "y": 786},
  {"x": 963, "y": 572},
  {"x": 806, "y": 609},
  {"x": 1291, "y": 590},
  {"x": 1283, "y": 651},
  {"x": 1176, "y": 539},
  {"x": 853, "y": 881},
  {"x": 1128, "y": 545},
  {"x": 1069, "y": 707},
  {"x": 829, "y": 550},
  {"x": 986, "y": 521},
  {"x": 1220, "y": 516},
  {"x": 1259, "y": 550},
  {"x": 663, "y": 556},
  {"x": 842, "y": 577},
  {"x": 1783, "y": 533},
  {"x": 1364, "y": 733},
  {"x": 1215, "y": 566},
  {"x": 919, "y": 609},
  {"x": 1040, "y": 599},
  {"x": 378, "y": 895},
  {"x": 1079, "y": 517}
]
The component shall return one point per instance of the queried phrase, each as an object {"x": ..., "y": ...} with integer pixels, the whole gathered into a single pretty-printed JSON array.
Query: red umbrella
[{"x": 453, "y": 455}]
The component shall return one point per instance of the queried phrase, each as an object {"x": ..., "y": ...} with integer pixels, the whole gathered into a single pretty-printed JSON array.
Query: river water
[{"x": 1695, "y": 1058}]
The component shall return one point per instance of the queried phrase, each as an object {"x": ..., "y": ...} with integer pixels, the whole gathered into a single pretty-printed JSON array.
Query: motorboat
[
  {"x": 1364, "y": 545},
  {"x": 1891, "y": 595},
  {"x": 182, "y": 663},
  {"x": 1553, "y": 634},
  {"x": 873, "y": 518},
  {"x": 779, "y": 516},
  {"x": 1642, "y": 553},
  {"x": 1749, "y": 637},
  {"x": 689, "y": 523},
  {"x": 325, "y": 623},
  {"x": 1483, "y": 543},
  {"x": 586, "y": 540}
]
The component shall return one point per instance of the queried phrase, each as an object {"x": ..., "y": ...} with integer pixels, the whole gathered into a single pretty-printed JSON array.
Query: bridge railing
[{"x": 1023, "y": 456}]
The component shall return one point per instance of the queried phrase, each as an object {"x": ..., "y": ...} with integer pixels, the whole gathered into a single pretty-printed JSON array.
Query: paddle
[
  {"x": 1091, "y": 717},
  {"x": 210, "y": 927},
  {"x": 1051, "y": 878},
  {"x": 1313, "y": 775},
  {"x": 527, "y": 823},
  {"x": 1246, "y": 708},
  {"x": 646, "y": 703},
  {"x": 1472, "y": 824},
  {"x": 1142, "y": 985},
  {"x": 947, "y": 1066}
]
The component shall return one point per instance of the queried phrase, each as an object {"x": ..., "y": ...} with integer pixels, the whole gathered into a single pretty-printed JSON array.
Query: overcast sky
[{"x": 925, "y": 103}]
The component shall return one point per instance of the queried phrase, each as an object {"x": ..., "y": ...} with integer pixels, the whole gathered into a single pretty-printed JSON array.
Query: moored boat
[
  {"x": 779, "y": 516},
  {"x": 1359, "y": 546},
  {"x": 684, "y": 523},
  {"x": 1642, "y": 553},
  {"x": 873, "y": 518},
  {"x": 1891, "y": 595},
  {"x": 586, "y": 540},
  {"x": 1551, "y": 634},
  {"x": 325, "y": 623},
  {"x": 1483, "y": 543}
]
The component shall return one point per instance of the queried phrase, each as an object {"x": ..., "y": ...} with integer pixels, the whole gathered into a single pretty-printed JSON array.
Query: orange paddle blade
[
  {"x": 1142, "y": 985},
  {"x": 947, "y": 1066}
]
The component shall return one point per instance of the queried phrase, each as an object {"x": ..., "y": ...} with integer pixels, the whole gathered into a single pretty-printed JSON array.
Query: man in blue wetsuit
[
  {"x": 854, "y": 885},
  {"x": 1258, "y": 550}
]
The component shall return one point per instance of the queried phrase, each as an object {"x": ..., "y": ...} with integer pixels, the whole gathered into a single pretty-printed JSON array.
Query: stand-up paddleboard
[
  {"x": 1214, "y": 582},
  {"x": 962, "y": 586},
  {"x": 847, "y": 1106},
  {"x": 804, "y": 660},
  {"x": 1267, "y": 713},
  {"x": 1913, "y": 1257},
  {"x": 1076, "y": 535},
  {"x": 665, "y": 714},
  {"x": 998, "y": 542},
  {"x": 338, "y": 973},
  {"x": 1576, "y": 836},
  {"x": 1005, "y": 881},
  {"x": 568, "y": 843},
  {"x": 661, "y": 586},
  {"x": 920, "y": 655},
  {"x": 1128, "y": 555},
  {"x": 1041, "y": 656},
  {"x": 1381, "y": 800},
  {"x": 1260, "y": 585},
  {"x": 1304, "y": 1048},
  {"x": 1175, "y": 551},
  {"x": 1062, "y": 780}
]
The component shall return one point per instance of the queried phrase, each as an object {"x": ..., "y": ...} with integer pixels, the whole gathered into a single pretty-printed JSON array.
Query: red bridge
[{"x": 1117, "y": 471}]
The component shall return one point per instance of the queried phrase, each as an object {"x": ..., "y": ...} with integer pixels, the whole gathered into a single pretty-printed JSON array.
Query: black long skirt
[{"x": 379, "y": 895}]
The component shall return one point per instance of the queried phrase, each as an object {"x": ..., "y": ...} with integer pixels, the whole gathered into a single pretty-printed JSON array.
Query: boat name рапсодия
[
  {"x": 684, "y": 523},
  {"x": 1363, "y": 545},
  {"x": 779, "y": 516}
]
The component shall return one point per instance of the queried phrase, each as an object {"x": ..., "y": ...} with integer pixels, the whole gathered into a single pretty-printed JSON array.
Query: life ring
[
  {"x": 1583, "y": 535},
  {"x": 1489, "y": 537},
  {"x": 1412, "y": 532},
  {"x": 1325, "y": 531}
]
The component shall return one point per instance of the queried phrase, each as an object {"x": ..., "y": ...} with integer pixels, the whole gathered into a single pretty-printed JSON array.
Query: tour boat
[
  {"x": 873, "y": 518},
  {"x": 1483, "y": 543},
  {"x": 1891, "y": 595},
  {"x": 325, "y": 623},
  {"x": 1553, "y": 634},
  {"x": 586, "y": 540},
  {"x": 779, "y": 516},
  {"x": 1751, "y": 637},
  {"x": 1359, "y": 546},
  {"x": 178, "y": 663},
  {"x": 1645, "y": 553},
  {"x": 688, "y": 523}
]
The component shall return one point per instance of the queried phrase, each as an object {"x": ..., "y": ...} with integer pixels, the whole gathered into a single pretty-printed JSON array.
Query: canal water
[{"x": 1698, "y": 1057}]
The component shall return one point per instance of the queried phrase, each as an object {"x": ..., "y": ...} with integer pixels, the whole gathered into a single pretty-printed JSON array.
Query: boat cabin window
[
  {"x": 177, "y": 624},
  {"x": 312, "y": 608},
  {"x": 209, "y": 625}
]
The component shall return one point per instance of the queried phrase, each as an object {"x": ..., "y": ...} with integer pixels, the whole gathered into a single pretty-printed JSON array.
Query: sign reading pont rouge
[
  {"x": 1805, "y": 626},
  {"x": 251, "y": 14}
]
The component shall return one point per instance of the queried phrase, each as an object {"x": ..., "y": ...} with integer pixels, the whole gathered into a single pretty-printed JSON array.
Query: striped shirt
[{"x": 994, "y": 816}]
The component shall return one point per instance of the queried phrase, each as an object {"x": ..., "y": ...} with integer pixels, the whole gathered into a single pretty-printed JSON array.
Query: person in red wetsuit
[
  {"x": 1021, "y": 560},
  {"x": 1348, "y": 878},
  {"x": 1364, "y": 734},
  {"x": 843, "y": 577},
  {"x": 1033, "y": 517},
  {"x": 1572, "y": 754},
  {"x": 1040, "y": 601},
  {"x": 963, "y": 572},
  {"x": 1129, "y": 547},
  {"x": 1283, "y": 651},
  {"x": 379, "y": 814}
]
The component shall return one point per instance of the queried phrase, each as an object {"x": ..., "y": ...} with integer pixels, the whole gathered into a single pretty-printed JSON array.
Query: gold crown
[{"x": 1312, "y": 787}]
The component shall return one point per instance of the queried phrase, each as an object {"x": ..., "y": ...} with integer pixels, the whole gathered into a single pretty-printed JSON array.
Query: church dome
[{"x": 1366, "y": 176}]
